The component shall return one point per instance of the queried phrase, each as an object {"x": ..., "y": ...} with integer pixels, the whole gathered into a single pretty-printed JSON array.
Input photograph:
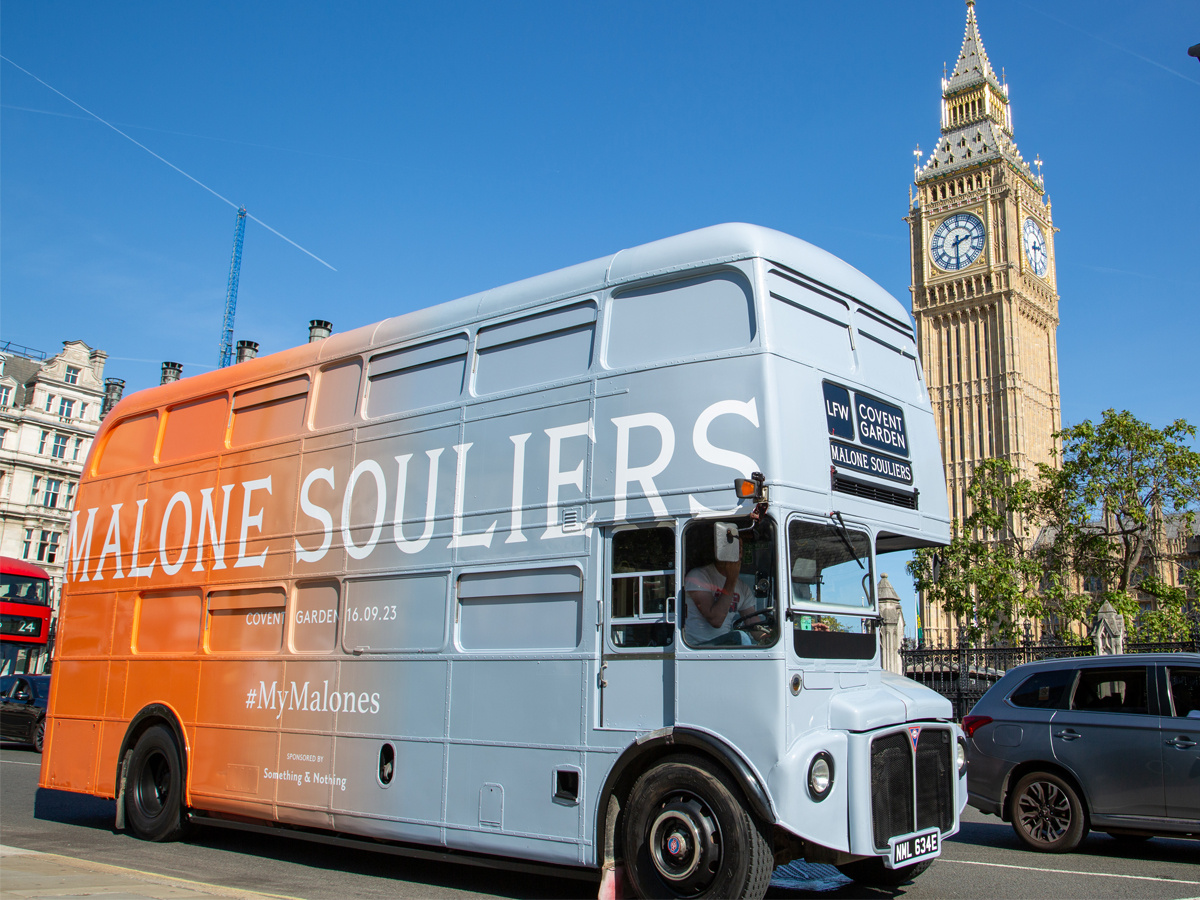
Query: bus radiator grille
[
  {"x": 935, "y": 780},
  {"x": 891, "y": 787},
  {"x": 910, "y": 793}
]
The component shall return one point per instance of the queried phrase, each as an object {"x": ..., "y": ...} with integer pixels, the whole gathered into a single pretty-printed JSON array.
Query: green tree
[
  {"x": 1116, "y": 481},
  {"x": 988, "y": 577}
]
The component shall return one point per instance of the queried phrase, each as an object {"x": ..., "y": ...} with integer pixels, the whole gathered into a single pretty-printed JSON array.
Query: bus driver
[{"x": 718, "y": 596}]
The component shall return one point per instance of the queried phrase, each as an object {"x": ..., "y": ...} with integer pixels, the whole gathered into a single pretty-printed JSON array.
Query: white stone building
[{"x": 50, "y": 410}]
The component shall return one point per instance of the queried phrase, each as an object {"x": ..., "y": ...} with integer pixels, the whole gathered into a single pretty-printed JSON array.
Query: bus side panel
[
  {"x": 400, "y": 703},
  {"x": 171, "y": 682},
  {"x": 514, "y": 724},
  {"x": 69, "y": 761},
  {"x": 91, "y": 626},
  {"x": 226, "y": 773},
  {"x": 236, "y": 734}
]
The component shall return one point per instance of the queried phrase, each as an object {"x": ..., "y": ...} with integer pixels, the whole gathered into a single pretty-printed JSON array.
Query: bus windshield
[
  {"x": 830, "y": 566},
  {"x": 24, "y": 589}
]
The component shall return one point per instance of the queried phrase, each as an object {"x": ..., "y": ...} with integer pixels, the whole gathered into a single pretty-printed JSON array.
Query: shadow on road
[{"x": 74, "y": 809}]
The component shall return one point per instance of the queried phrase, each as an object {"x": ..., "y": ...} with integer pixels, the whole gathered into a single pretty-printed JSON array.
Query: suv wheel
[{"x": 1047, "y": 814}]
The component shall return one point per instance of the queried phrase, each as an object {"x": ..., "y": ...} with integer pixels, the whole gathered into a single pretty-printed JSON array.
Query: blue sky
[{"x": 427, "y": 151}]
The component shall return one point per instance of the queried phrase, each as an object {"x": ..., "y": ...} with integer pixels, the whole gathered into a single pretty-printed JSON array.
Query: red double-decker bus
[{"x": 24, "y": 612}]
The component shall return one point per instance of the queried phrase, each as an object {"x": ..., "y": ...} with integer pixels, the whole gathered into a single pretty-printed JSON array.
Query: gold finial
[{"x": 1037, "y": 161}]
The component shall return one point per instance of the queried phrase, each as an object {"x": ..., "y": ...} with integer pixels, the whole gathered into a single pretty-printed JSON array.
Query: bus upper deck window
[
  {"x": 269, "y": 412},
  {"x": 678, "y": 319},
  {"x": 130, "y": 444}
]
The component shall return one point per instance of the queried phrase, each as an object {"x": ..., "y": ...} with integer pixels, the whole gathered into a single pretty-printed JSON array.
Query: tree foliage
[
  {"x": 1116, "y": 482},
  {"x": 987, "y": 578},
  {"x": 1099, "y": 514}
]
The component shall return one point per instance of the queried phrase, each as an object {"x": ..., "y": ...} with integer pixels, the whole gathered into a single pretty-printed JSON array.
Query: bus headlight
[
  {"x": 820, "y": 776},
  {"x": 961, "y": 757}
]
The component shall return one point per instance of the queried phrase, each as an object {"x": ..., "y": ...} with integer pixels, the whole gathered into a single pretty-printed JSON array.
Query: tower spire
[
  {"x": 973, "y": 66},
  {"x": 976, "y": 115}
]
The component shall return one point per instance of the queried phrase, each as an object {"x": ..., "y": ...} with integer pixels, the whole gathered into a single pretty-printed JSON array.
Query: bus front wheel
[
  {"x": 154, "y": 787},
  {"x": 686, "y": 835}
]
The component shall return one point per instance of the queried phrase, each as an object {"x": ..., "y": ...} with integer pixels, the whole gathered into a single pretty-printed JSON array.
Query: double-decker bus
[
  {"x": 24, "y": 613},
  {"x": 580, "y": 570}
]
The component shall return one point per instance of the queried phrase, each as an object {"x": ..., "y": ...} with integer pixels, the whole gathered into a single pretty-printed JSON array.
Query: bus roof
[
  {"x": 10, "y": 565},
  {"x": 715, "y": 245}
]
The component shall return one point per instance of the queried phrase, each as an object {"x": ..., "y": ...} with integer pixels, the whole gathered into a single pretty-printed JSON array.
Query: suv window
[
  {"x": 1112, "y": 690},
  {"x": 1044, "y": 690},
  {"x": 1185, "y": 690}
]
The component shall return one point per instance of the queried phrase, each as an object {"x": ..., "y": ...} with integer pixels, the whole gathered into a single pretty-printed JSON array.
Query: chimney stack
[
  {"x": 171, "y": 371},
  {"x": 246, "y": 350},
  {"x": 113, "y": 389},
  {"x": 318, "y": 330}
]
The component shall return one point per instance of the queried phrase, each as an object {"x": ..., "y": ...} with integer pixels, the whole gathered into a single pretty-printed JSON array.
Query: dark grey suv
[{"x": 1106, "y": 742}]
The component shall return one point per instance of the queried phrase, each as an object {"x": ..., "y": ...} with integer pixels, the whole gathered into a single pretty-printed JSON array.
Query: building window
[
  {"x": 42, "y": 443},
  {"x": 33, "y": 492},
  {"x": 83, "y": 410},
  {"x": 48, "y": 547},
  {"x": 49, "y": 403},
  {"x": 5, "y": 395},
  {"x": 27, "y": 546},
  {"x": 50, "y": 497},
  {"x": 78, "y": 447},
  {"x": 3, "y": 435},
  {"x": 59, "y": 450},
  {"x": 70, "y": 495},
  {"x": 72, "y": 376},
  {"x": 66, "y": 407}
]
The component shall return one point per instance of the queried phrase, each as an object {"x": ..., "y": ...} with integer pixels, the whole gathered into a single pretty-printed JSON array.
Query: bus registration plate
[{"x": 912, "y": 849}]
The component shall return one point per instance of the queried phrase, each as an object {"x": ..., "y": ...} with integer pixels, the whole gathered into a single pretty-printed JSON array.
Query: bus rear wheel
[
  {"x": 687, "y": 835},
  {"x": 154, "y": 787}
]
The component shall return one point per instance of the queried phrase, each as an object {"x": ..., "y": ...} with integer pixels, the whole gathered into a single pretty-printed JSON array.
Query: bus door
[
  {"x": 728, "y": 671},
  {"x": 637, "y": 666}
]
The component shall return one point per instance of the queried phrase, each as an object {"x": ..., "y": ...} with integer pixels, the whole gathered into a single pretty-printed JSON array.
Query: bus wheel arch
[
  {"x": 658, "y": 748},
  {"x": 152, "y": 776}
]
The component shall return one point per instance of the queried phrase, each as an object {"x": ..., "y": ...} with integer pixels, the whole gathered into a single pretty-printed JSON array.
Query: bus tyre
[
  {"x": 154, "y": 787},
  {"x": 687, "y": 835},
  {"x": 873, "y": 873}
]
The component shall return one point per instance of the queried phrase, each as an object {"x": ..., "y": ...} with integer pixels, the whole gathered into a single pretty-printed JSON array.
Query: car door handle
[
  {"x": 1181, "y": 743},
  {"x": 1069, "y": 735}
]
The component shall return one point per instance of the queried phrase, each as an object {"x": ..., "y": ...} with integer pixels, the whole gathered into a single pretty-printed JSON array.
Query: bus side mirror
[{"x": 725, "y": 546}]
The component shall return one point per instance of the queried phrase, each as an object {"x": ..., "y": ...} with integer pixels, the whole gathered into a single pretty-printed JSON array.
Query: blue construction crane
[{"x": 235, "y": 270}]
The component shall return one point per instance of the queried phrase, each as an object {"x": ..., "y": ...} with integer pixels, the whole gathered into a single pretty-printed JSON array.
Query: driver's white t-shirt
[{"x": 708, "y": 580}]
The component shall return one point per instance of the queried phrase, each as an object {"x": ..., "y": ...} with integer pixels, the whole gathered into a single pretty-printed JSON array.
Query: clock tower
[{"x": 984, "y": 292}]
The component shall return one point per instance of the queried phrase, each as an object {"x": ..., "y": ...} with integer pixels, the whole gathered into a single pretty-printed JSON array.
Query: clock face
[
  {"x": 958, "y": 241},
  {"x": 1035, "y": 246}
]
